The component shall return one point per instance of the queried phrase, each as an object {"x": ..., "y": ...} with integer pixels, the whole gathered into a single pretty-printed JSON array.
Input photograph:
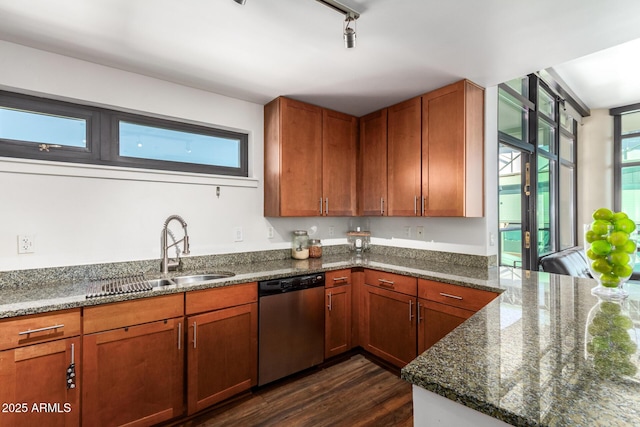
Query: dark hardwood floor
[{"x": 356, "y": 392}]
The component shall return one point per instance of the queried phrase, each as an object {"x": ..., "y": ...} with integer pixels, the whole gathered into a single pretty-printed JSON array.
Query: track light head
[
  {"x": 240, "y": 1},
  {"x": 349, "y": 32}
]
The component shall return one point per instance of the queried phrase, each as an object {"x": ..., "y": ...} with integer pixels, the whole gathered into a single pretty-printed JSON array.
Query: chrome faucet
[{"x": 173, "y": 264}]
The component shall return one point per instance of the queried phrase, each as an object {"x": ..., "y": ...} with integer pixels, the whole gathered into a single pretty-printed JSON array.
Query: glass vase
[{"x": 611, "y": 255}]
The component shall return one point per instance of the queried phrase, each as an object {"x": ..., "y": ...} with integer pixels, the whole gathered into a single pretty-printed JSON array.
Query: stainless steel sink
[
  {"x": 158, "y": 283},
  {"x": 197, "y": 278}
]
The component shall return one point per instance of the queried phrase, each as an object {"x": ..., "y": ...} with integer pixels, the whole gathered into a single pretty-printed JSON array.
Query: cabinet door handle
[
  {"x": 410, "y": 311},
  {"x": 384, "y": 282},
  {"x": 179, "y": 334},
  {"x": 326, "y": 206},
  {"x": 48, "y": 328},
  {"x": 419, "y": 317},
  {"x": 381, "y": 205},
  {"x": 450, "y": 296},
  {"x": 320, "y": 206},
  {"x": 195, "y": 334},
  {"x": 329, "y": 306},
  {"x": 415, "y": 205},
  {"x": 422, "y": 205}
]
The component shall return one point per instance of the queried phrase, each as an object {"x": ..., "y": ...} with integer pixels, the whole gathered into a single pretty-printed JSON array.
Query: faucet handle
[{"x": 185, "y": 248}]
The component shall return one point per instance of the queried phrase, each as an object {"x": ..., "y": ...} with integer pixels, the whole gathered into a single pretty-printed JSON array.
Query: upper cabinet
[
  {"x": 310, "y": 160},
  {"x": 373, "y": 163},
  {"x": 421, "y": 157},
  {"x": 403, "y": 158},
  {"x": 453, "y": 151}
]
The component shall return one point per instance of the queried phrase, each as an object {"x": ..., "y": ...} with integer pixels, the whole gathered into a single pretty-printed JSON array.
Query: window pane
[
  {"x": 546, "y": 135},
  {"x": 630, "y": 122},
  {"x": 40, "y": 128},
  {"x": 520, "y": 85},
  {"x": 545, "y": 228},
  {"x": 630, "y": 149},
  {"x": 631, "y": 191},
  {"x": 567, "y": 122},
  {"x": 513, "y": 117},
  {"x": 547, "y": 104},
  {"x": 567, "y": 148},
  {"x": 566, "y": 211},
  {"x": 148, "y": 142}
]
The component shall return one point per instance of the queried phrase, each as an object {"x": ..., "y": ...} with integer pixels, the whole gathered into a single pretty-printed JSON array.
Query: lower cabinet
[
  {"x": 390, "y": 325},
  {"x": 437, "y": 320},
  {"x": 133, "y": 374},
  {"x": 442, "y": 307},
  {"x": 33, "y": 385},
  {"x": 222, "y": 344},
  {"x": 337, "y": 316},
  {"x": 40, "y": 370}
]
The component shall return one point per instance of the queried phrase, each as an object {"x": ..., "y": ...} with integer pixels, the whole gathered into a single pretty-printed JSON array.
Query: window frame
[
  {"x": 102, "y": 138},
  {"x": 618, "y": 164}
]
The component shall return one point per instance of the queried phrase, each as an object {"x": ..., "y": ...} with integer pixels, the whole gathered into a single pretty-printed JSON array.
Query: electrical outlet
[
  {"x": 420, "y": 232},
  {"x": 26, "y": 244},
  {"x": 237, "y": 233},
  {"x": 332, "y": 231},
  {"x": 492, "y": 239},
  {"x": 270, "y": 233},
  {"x": 407, "y": 231}
]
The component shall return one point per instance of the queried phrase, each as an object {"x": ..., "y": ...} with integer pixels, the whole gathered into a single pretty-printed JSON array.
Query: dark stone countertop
[{"x": 521, "y": 359}]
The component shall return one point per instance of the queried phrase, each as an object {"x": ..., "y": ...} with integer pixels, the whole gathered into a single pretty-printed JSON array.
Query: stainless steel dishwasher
[{"x": 291, "y": 326}]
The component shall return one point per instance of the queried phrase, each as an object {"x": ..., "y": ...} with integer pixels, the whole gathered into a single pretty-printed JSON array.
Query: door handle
[
  {"x": 179, "y": 334},
  {"x": 329, "y": 306}
]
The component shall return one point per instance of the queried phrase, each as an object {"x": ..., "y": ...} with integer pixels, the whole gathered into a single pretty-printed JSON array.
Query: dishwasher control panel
[{"x": 288, "y": 284}]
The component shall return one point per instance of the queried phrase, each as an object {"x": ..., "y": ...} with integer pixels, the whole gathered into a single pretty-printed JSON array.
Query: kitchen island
[{"x": 521, "y": 360}]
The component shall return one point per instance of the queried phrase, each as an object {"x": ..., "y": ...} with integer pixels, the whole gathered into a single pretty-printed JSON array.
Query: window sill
[{"x": 40, "y": 167}]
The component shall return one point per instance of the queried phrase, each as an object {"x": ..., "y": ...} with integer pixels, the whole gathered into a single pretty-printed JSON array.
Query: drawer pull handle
[
  {"x": 386, "y": 282},
  {"x": 48, "y": 328},
  {"x": 450, "y": 296},
  {"x": 340, "y": 279}
]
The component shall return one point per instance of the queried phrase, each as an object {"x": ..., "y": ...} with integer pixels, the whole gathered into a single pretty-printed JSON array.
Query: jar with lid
[
  {"x": 300, "y": 245},
  {"x": 315, "y": 248}
]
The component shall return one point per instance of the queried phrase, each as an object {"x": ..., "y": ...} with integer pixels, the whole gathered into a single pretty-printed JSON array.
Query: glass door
[{"x": 513, "y": 199}]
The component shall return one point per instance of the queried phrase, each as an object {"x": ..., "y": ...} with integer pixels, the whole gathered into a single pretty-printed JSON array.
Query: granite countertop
[
  {"x": 521, "y": 359},
  {"x": 39, "y": 291}
]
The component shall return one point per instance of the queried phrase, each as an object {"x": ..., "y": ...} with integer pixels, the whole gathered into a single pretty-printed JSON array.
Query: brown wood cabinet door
[
  {"x": 301, "y": 158},
  {"x": 339, "y": 139},
  {"x": 404, "y": 140},
  {"x": 133, "y": 375},
  {"x": 222, "y": 355},
  {"x": 453, "y": 151},
  {"x": 373, "y": 164},
  {"x": 437, "y": 320},
  {"x": 390, "y": 325},
  {"x": 337, "y": 320},
  {"x": 33, "y": 388}
]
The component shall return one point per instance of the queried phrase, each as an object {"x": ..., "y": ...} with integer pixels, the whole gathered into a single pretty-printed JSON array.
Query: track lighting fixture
[
  {"x": 240, "y": 1},
  {"x": 349, "y": 32}
]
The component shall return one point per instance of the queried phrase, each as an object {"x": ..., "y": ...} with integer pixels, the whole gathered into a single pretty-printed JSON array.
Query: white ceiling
[{"x": 268, "y": 48}]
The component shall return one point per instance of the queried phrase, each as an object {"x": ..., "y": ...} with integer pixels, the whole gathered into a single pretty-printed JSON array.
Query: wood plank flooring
[{"x": 355, "y": 392}]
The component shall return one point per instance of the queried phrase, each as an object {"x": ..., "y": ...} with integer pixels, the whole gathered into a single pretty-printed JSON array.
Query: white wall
[
  {"x": 595, "y": 165},
  {"x": 86, "y": 214}
]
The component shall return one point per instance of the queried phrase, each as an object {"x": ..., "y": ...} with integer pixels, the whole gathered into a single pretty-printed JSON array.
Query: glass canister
[
  {"x": 315, "y": 248},
  {"x": 300, "y": 245}
]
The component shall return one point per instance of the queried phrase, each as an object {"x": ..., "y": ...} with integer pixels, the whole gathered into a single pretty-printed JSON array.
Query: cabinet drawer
[
  {"x": 337, "y": 278},
  {"x": 454, "y": 295},
  {"x": 223, "y": 297},
  {"x": 32, "y": 329},
  {"x": 395, "y": 282},
  {"x": 129, "y": 313}
]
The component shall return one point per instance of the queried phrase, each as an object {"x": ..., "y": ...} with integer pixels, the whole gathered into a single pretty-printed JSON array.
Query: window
[
  {"x": 537, "y": 172},
  {"x": 45, "y": 129}
]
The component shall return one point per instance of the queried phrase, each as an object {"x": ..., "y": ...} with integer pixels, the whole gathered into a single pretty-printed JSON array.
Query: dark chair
[{"x": 572, "y": 262}]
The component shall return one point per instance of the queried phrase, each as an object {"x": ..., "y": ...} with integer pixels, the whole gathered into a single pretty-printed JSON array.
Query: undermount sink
[
  {"x": 158, "y": 283},
  {"x": 197, "y": 278}
]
